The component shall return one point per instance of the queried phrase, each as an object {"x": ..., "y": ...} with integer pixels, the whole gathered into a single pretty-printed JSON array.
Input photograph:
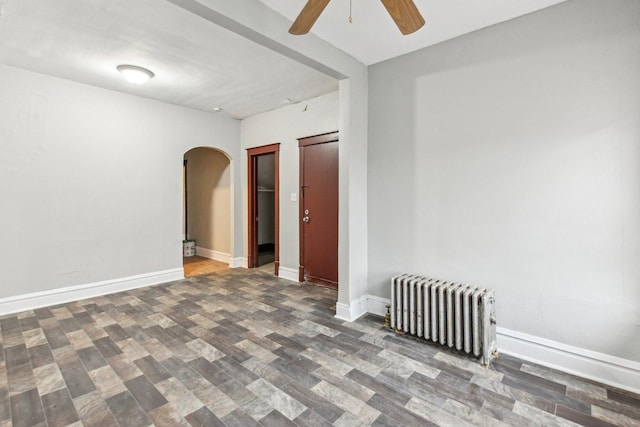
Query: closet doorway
[{"x": 264, "y": 213}]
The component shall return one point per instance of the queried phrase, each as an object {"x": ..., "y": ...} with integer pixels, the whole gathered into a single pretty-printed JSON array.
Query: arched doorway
[{"x": 207, "y": 211}]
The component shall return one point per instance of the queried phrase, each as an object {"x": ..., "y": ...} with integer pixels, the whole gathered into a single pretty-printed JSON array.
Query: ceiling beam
[{"x": 255, "y": 21}]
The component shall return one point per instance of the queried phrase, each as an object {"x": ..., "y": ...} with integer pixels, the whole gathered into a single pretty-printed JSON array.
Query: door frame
[
  {"x": 303, "y": 142},
  {"x": 252, "y": 184}
]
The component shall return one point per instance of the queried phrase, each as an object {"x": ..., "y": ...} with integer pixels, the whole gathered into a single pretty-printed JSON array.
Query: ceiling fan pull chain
[{"x": 350, "y": 19}]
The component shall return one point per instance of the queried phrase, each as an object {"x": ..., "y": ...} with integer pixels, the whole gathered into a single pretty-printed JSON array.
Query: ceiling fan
[{"x": 403, "y": 12}]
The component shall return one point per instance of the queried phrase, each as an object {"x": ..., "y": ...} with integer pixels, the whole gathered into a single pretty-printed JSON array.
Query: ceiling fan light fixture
[{"x": 135, "y": 74}]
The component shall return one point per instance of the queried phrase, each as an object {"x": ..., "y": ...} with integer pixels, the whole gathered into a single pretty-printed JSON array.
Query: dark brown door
[{"x": 319, "y": 209}]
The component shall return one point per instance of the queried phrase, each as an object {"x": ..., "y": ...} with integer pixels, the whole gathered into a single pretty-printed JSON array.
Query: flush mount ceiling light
[{"x": 134, "y": 74}]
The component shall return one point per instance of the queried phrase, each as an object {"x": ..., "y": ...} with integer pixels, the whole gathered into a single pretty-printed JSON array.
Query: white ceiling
[
  {"x": 197, "y": 64},
  {"x": 373, "y": 36},
  {"x": 203, "y": 66}
]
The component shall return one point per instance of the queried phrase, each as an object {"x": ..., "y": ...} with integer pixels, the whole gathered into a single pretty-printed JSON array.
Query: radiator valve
[{"x": 387, "y": 318}]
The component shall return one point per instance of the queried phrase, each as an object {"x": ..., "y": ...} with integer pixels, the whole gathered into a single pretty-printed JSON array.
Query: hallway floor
[
  {"x": 197, "y": 265},
  {"x": 243, "y": 348}
]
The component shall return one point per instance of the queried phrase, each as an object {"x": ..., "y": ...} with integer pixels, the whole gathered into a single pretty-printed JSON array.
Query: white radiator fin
[{"x": 452, "y": 314}]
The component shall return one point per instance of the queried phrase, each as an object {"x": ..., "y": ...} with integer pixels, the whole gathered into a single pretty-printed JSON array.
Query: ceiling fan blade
[
  {"x": 405, "y": 14},
  {"x": 308, "y": 16}
]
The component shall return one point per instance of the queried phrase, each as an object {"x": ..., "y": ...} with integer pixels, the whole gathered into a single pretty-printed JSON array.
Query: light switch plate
[{"x": 294, "y": 197}]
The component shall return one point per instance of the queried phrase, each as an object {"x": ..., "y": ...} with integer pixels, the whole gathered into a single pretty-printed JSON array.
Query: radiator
[{"x": 462, "y": 317}]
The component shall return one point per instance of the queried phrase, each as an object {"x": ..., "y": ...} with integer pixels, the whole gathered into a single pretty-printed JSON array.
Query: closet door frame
[{"x": 252, "y": 205}]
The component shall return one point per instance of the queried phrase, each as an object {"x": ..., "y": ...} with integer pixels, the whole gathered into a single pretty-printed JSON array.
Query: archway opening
[{"x": 207, "y": 211}]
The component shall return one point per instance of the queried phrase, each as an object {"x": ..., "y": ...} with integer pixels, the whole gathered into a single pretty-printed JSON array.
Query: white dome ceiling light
[{"x": 134, "y": 74}]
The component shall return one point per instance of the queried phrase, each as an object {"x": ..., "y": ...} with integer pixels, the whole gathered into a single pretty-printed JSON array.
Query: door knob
[{"x": 305, "y": 219}]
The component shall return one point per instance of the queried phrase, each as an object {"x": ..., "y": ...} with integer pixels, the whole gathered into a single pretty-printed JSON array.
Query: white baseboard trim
[
  {"x": 288, "y": 273},
  {"x": 239, "y": 262},
  {"x": 377, "y": 305},
  {"x": 353, "y": 311},
  {"x": 35, "y": 300},
  {"x": 607, "y": 369},
  {"x": 214, "y": 255},
  {"x": 604, "y": 368}
]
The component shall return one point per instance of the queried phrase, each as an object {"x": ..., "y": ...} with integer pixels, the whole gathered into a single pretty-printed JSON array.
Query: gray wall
[
  {"x": 510, "y": 158},
  {"x": 91, "y": 181},
  {"x": 284, "y": 126}
]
